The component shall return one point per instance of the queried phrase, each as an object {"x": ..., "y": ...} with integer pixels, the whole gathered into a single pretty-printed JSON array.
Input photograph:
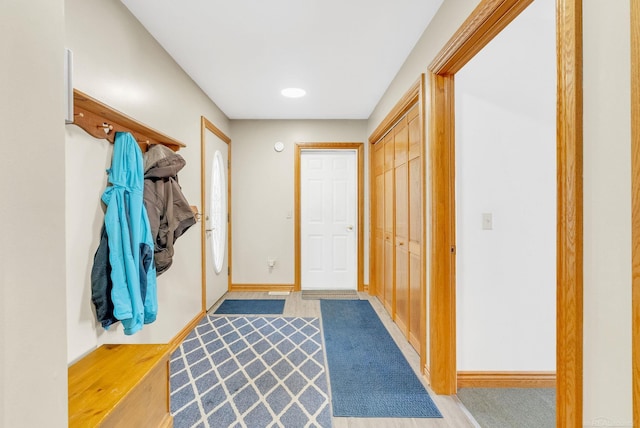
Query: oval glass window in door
[{"x": 218, "y": 213}]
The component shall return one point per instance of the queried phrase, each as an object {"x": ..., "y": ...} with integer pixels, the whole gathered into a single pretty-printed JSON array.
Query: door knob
[{"x": 350, "y": 228}]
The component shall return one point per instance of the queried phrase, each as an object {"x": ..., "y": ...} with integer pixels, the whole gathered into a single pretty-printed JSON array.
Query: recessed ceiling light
[{"x": 293, "y": 92}]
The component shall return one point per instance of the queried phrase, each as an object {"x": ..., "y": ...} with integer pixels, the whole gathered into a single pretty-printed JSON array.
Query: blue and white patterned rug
[{"x": 250, "y": 372}]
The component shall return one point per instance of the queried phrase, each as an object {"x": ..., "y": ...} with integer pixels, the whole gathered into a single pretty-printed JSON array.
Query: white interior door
[
  {"x": 328, "y": 219},
  {"x": 216, "y": 217}
]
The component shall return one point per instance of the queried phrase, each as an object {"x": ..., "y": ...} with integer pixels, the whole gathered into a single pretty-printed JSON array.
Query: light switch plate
[{"x": 487, "y": 221}]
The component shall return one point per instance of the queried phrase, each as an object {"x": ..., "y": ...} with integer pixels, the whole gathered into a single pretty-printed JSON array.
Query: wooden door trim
[
  {"x": 359, "y": 148},
  {"x": 205, "y": 125},
  {"x": 486, "y": 21},
  {"x": 423, "y": 220},
  {"x": 373, "y": 281},
  {"x": 635, "y": 198},
  {"x": 442, "y": 311},
  {"x": 569, "y": 319},
  {"x": 506, "y": 379},
  {"x": 408, "y": 100}
]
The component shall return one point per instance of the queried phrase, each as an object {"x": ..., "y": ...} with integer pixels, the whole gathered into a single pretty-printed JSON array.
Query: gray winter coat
[{"x": 169, "y": 212}]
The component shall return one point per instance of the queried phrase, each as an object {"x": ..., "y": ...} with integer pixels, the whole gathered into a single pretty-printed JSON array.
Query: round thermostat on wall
[{"x": 279, "y": 146}]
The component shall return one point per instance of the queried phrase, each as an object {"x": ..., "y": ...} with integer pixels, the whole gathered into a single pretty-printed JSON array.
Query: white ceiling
[{"x": 242, "y": 53}]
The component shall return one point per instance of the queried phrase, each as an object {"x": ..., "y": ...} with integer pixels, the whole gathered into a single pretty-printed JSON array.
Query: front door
[
  {"x": 328, "y": 219},
  {"x": 216, "y": 217}
]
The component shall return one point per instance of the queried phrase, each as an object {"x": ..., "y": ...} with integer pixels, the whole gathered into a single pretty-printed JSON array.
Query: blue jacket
[
  {"x": 133, "y": 274},
  {"x": 101, "y": 284}
]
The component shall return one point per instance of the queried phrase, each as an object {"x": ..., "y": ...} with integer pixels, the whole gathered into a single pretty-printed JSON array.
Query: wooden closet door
[
  {"x": 415, "y": 228},
  {"x": 401, "y": 139},
  {"x": 378, "y": 219},
  {"x": 397, "y": 217},
  {"x": 389, "y": 225}
]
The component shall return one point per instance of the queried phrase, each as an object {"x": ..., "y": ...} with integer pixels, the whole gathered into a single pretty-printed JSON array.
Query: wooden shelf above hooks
[{"x": 102, "y": 121}]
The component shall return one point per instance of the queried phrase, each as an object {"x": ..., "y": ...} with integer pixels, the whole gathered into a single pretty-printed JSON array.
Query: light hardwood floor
[{"x": 454, "y": 414}]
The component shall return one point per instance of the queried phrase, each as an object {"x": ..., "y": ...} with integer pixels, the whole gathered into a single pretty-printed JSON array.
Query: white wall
[
  {"x": 506, "y": 166},
  {"x": 33, "y": 366},
  {"x": 607, "y": 214},
  {"x": 262, "y": 186},
  {"x": 117, "y": 62}
]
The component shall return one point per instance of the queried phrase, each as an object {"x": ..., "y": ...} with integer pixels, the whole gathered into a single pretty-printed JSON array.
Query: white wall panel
[
  {"x": 506, "y": 166},
  {"x": 33, "y": 365},
  {"x": 607, "y": 214}
]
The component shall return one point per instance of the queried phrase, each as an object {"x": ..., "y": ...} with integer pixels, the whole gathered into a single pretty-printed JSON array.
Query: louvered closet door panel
[
  {"x": 415, "y": 202},
  {"x": 401, "y": 138},
  {"x": 414, "y": 132},
  {"x": 414, "y": 300},
  {"x": 379, "y": 204},
  {"x": 378, "y": 219},
  {"x": 378, "y": 158},
  {"x": 388, "y": 274},
  {"x": 388, "y": 241},
  {"x": 388, "y": 152},
  {"x": 415, "y": 182},
  {"x": 388, "y": 187},
  {"x": 378, "y": 259},
  {"x": 389, "y": 224},
  {"x": 415, "y": 237},
  {"x": 402, "y": 288},
  {"x": 402, "y": 203},
  {"x": 402, "y": 243}
]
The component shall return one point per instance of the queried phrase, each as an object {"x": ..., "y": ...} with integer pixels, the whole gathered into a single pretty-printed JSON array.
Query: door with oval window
[{"x": 216, "y": 218}]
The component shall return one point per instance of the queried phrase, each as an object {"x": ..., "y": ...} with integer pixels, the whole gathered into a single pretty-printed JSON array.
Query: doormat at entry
[
  {"x": 251, "y": 307},
  {"x": 330, "y": 294},
  {"x": 368, "y": 375}
]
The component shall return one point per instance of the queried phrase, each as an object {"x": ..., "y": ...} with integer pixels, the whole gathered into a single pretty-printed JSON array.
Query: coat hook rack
[{"x": 101, "y": 121}]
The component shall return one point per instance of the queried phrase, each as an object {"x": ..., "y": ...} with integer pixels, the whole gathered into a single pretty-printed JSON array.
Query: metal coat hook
[{"x": 106, "y": 127}]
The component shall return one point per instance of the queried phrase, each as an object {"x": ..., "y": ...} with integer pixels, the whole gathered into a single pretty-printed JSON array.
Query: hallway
[{"x": 295, "y": 306}]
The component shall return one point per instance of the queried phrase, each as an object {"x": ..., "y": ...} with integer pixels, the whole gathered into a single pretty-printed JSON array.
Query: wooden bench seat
[{"x": 121, "y": 385}]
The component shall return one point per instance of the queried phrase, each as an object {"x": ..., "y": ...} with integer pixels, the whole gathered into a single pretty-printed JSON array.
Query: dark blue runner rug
[
  {"x": 250, "y": 307},
  {"x": 369, "y": 376}
]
